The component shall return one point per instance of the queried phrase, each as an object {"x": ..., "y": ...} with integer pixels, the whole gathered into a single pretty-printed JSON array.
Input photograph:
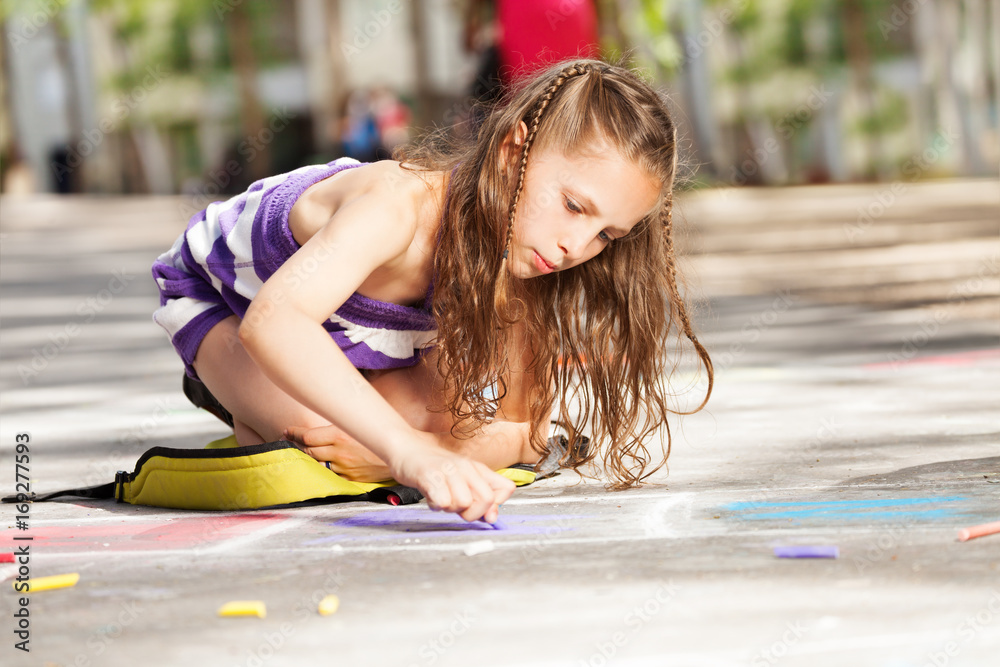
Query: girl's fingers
[
  {"x": 461, "y": 497},
  {"x": 321, "y": 454},
  {"x": 481, "y": 496},
  {"x": 492, "y": 514},
  {"x": 501, "y": 487},
  {"x": 319, "y": 436},
  {"x": 438, "y": 494},
  {"x": 307, "y": 437},
  {"x": 468, "y": 488}
]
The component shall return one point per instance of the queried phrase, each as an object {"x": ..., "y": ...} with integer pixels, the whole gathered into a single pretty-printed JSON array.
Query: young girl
[{"x": 469, "y": 287}]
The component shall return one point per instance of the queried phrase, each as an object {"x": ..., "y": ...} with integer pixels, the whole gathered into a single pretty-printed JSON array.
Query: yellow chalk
[
  {"x": 329, "y": 605},
  {"x": 243, "y": 608},
  {"x": 49, "y": 583}
]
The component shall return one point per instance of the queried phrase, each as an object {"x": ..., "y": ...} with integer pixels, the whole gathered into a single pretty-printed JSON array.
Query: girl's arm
[
  {"x": 283, "y": 333},
  {"x": 499, "y": 445}
]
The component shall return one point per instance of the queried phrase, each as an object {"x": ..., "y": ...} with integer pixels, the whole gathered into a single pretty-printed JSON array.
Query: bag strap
[{"x": 100, "y": 491}]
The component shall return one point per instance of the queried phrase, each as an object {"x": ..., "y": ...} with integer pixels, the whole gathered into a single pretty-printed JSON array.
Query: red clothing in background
[{"x": 535, "y": 33}]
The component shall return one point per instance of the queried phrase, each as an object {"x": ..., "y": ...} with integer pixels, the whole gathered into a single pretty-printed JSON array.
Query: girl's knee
[{"x": 246, "y": 436}]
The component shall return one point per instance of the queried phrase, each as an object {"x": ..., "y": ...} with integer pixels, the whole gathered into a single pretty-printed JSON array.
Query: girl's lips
[{"x": 542, "y": 265}]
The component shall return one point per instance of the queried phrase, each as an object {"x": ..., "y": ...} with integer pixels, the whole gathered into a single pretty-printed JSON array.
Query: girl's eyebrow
[{"x": 589, "y": 204}]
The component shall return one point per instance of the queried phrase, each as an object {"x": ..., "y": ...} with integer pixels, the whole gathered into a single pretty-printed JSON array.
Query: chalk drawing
[
  {"x": 972, "y": 358},
  {"x": 143, "y": 535},
  {"x": 399, "y": 523},
  {"x": 889, "y": 508}
]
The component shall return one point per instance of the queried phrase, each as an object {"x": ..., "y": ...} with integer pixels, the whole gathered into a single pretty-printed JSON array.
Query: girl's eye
[
  {"x": 571, "y": 205},
  {"x": 604, "y": 237}
]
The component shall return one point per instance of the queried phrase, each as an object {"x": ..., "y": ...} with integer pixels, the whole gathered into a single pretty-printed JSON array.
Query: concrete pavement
[{"x": 863, "y": 417}]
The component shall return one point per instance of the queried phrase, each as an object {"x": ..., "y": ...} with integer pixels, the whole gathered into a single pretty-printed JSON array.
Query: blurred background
[{"x": 201, "y": 98}]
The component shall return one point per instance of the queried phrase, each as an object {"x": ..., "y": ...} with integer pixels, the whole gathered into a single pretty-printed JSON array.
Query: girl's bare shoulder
[{"x": 404, "y": 191}]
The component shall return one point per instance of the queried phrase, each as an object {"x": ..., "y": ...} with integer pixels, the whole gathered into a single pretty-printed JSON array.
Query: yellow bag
[{"x": 224, "y": 476}]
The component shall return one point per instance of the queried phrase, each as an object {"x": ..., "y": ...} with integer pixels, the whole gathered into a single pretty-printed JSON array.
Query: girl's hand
[
  {"x": 451, "y": 482},
  {"x": 347, "y": 457}
]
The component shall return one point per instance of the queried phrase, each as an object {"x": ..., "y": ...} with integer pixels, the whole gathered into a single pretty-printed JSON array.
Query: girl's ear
[{"x": 510, "y": 149}]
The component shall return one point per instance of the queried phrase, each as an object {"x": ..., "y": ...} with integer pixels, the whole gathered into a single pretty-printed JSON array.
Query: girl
[{"x": 468, "y": 288}]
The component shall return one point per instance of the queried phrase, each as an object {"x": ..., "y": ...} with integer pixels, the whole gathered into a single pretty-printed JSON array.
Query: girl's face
[{"x": 573, "y": 206}]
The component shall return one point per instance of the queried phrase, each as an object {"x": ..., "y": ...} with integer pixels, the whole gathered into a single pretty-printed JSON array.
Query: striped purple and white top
[{"x": 217, "y": 266}]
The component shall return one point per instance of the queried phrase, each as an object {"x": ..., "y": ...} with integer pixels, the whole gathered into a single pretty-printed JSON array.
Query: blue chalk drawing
[{"x": 910, "y": 509}]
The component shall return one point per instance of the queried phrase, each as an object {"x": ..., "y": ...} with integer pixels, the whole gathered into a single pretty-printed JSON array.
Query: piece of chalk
[
  {"x": 480, "y": 547},
  {"x": 49, "y": 583},
  {"x": 820, "y": 551},
  {"x": 979, "y": 531},
  {"x": 6, "y": 558},
  {"x": 243, "y": 608},
  {"x": 329, "y": 605}
]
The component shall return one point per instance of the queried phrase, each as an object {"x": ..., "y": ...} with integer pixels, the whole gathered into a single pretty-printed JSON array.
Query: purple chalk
[{"x": 821, "y": 551}]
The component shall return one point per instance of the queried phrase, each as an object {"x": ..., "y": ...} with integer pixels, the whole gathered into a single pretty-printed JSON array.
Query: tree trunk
[
  {"x": 74, "y": 118},
  {"x": 245, "y": 67},
  {"x": 338, "y": 72},
  {"x": 860, "y": 60},
  {"x": 421, "y": 57}
]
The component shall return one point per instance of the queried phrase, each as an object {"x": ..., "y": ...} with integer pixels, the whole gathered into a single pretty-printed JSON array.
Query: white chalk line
[
  {"x": 540, "y": 544},
  {"x": 607, "y": 497},
  {"x": 681, "y": 500},
  {"x": 255, "y": 536}
]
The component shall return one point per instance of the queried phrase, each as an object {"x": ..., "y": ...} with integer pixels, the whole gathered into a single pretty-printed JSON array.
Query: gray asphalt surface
[{"x": 855, "y": 406}]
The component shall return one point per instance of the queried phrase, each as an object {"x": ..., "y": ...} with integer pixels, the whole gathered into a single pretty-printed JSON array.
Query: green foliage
[
  {"x": 798, "y": 17},
  {"x": 158, "y": 33},
  {"x": 178, "y": 48},
  {"x": 890, "y": 114},
  {"x": 746, "y": 17},
  {"x": 880, "y": 11},
  {"x": 651, "y": 28}
]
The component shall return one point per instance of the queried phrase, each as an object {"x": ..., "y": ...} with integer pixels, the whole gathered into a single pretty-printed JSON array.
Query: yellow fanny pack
[{"x": 223, "y": 476}]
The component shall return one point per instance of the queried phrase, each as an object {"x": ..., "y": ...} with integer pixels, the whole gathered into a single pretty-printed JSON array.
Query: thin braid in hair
[
  {"x": 668, "y": 222},
  {"x": 543, "y": 103}
]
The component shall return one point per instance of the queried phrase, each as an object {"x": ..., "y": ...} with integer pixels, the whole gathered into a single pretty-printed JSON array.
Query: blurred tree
[
  {"x": 66, "y": 178},
  {"x": 860, "y": 59},
  {"x": 241, "y": 45},
  {"x": 203, "y": 42},
  {"x": 421, "y": 67}
]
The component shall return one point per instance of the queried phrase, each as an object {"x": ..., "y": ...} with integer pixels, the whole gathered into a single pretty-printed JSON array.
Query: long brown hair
[{"x": 598, "y": 331}]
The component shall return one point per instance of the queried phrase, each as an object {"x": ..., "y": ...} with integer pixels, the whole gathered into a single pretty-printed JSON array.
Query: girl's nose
[{"x": 573, "y": 245}]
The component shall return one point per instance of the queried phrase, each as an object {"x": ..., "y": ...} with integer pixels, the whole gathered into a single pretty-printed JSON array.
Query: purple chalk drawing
[
  {"x": 808, "y": 551},
  {"x": 406, "y": 522}
]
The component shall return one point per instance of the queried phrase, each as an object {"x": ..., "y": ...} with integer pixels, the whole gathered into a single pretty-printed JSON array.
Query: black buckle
[{"x": 120, "y": 478}]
